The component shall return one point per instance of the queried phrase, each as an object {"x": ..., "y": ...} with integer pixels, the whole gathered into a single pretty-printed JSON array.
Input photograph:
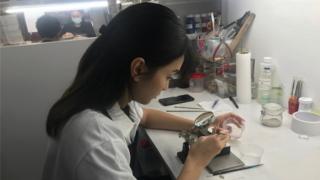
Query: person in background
[
  {"x": 77, "y": 25},
  {"x": 92, "y": 128},
  {"x": 49, "y": 28}
]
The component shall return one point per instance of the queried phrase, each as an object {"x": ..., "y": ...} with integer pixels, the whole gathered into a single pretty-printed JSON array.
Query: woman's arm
[
  {"x": 156, "y": 119},
  {"x": 190, "y": 171}
]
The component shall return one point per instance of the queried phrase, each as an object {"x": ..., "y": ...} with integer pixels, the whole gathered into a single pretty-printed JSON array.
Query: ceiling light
[{"x": 57, "y": 7}]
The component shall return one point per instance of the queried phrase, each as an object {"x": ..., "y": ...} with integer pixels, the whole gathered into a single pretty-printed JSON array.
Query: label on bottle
[{"x": 264, "y": 85}]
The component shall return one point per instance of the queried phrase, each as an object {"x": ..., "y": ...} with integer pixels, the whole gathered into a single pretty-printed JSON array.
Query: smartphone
[{"x": 176, "y": 100}]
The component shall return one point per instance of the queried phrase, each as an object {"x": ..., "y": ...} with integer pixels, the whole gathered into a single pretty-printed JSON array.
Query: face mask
[{"x": 77, "y": 20}]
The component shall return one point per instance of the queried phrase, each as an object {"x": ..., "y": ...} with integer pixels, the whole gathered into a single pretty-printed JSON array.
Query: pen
[
  {"x": 234, "y": 102},
  {"x": 215, "y": 102},
  {"x": 236, "y": 169}
]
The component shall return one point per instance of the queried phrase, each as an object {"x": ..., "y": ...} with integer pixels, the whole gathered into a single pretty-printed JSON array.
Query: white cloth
[{"x": 93, "y": 147}]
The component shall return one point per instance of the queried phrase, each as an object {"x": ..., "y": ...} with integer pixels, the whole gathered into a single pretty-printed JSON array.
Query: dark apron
[
  {"x": 134, "y": 164},
  {"x": 133, "y": 154},
  {"x": 133, "y": 148}
]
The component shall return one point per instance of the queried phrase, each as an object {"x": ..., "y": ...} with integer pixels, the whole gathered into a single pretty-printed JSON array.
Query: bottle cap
[
  {"x": 305, "y": 100},
  {"x": 273, "y": 108},
  {"x": 197, "y": 75},
  {"x": 267, "y": 59}
]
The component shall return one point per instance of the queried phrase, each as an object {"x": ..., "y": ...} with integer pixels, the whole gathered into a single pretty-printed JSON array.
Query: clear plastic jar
[
  {"x": 271, "y": 115},
  {"x": 196, "y": 82},
  {"x": 233, "y": 129}
]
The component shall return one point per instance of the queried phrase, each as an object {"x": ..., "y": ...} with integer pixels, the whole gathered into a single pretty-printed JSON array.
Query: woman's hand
[
  {"x": 200, "y": 154},
  {"x": 237, "y": 120},
  {"x": 206, "y": 147}
]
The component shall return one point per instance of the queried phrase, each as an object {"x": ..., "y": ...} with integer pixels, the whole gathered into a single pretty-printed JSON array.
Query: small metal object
[
  {"x": 218, "y": 58},
  {"x": 303, "y": 136}
]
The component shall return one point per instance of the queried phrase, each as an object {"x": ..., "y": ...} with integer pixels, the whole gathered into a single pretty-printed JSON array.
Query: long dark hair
[{"x": 146, "y": 30}]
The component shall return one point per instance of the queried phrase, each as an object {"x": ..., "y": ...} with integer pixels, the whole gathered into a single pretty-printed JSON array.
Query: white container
[
  {"x": 305, "y": 104},
  {"x": 243, "y": 80},
  {"x": 306, "y": 123},
  {"x": 250, "y": 154}
]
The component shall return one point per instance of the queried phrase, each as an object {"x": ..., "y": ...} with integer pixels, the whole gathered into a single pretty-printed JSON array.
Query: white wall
[
  {"x": 33, "y": 77},
  {"x": 31, "y": 20},
  {"x": 287, "y": 30}
]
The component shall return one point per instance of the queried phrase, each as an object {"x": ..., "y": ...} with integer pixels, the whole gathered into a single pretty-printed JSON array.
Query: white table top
[{"x": 286, "y": 156}]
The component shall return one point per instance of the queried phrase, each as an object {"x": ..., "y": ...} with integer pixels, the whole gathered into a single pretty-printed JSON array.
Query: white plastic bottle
[{"x": 265, "y": 81}]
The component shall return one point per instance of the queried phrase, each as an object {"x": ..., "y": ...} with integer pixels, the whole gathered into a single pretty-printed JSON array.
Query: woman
[{"x": 96, "y": 119}]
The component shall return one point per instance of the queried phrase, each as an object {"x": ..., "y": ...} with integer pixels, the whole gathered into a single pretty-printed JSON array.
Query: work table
[{"x": 287, "y": 155}]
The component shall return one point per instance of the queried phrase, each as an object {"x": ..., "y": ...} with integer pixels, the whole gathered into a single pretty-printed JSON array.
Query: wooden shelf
[{"x": 244, "y": 28}]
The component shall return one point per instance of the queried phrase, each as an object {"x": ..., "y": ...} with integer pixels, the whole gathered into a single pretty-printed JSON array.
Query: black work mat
[{"x": 224, "y": 163}]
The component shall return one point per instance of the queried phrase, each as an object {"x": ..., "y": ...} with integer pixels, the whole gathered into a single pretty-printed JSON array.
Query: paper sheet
[{"x": 220, "y": 108}]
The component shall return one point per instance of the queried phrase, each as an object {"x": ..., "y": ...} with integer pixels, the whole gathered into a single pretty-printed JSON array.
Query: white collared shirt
[{"x": 94, "y": 147}]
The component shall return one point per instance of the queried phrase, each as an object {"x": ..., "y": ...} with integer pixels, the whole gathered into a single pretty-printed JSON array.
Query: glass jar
[
  {"x": 210, "y": 83},
  {"x": 222, "y": 88},
  {"x": 271, "y": 115},
  {"x": 196, "y": 82}
]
